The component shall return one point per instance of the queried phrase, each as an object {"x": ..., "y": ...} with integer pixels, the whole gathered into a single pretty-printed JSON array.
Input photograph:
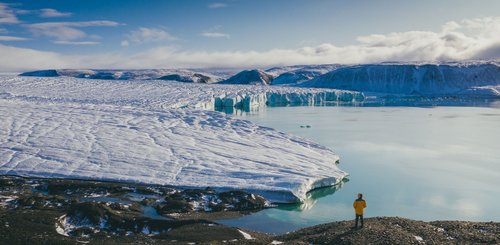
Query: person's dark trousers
[{"x": 359, "y": 216}]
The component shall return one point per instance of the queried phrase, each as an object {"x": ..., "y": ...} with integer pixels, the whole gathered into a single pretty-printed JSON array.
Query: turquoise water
[{"x": 434, "y": 163}]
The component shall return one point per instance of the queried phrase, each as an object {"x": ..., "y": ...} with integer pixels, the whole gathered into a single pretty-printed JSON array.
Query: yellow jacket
[{"x": 359, "y": 205}]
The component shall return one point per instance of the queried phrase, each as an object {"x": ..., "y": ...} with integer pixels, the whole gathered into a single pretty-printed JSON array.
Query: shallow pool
[{"x": 425, "y": 163}]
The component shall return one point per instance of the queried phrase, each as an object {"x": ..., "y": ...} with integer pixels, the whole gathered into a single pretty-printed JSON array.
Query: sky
[{"x": 134, "y": 34}]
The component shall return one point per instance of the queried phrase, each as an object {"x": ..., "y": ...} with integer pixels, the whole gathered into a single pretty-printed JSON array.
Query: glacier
[
  {"x": 160, "y": 132},
  {"x": 158, "y": 94},
  {"x": 183, "y": 148}
]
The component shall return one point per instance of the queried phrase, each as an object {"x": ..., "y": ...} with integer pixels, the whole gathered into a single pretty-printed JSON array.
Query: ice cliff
[{"x": 414, "y": 79}]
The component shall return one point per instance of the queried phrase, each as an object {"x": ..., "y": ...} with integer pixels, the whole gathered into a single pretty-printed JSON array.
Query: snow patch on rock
[{"x": 246, "y": 235}]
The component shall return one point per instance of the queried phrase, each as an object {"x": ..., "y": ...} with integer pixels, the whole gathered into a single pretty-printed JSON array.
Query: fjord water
[{"x": 424, "y": 163}]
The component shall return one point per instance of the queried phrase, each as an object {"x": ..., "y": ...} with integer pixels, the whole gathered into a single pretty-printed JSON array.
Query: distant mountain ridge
[
  {"x": 409, "y": 78},
  {"x": 250, "y": 77},
  {"x": 412, "y": 79},
  {"x": 297, "y": 74},
  {"x": 180, "y": 75}
]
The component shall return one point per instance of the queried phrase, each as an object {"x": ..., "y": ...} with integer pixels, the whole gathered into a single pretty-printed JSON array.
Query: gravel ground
[{"x": 395, "y": 230}]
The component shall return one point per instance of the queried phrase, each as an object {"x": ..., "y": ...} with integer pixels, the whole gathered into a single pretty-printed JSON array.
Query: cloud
[
  {"x": 22, "y": 11},
  {"x": 66, "y": 31},
  {"x": 217, "y": 5},
  {"x": 11, "y": 38},
  {"x": 7, "y": 15},
  {"x": 49, "y": 13},
  {"x": 468, "y": 39},
  {"x": 215, "y": 34},
  {"x": 23, "y": 59},
  {"x": 144, "y": 35},
  {"x": 77, "y": 42},
  {"x": 124, "y": 43},
  {"x": 29, "y": 58},
  {"x": 3, "y": 30}
]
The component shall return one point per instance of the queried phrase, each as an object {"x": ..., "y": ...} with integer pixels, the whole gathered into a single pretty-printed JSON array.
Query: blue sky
[{"x": 240, "y": 33}]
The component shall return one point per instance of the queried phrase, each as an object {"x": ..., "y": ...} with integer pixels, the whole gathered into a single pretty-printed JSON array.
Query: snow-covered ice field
[
  {"x": 134, "y": 131},
  {"x": 158, "y": 94}
]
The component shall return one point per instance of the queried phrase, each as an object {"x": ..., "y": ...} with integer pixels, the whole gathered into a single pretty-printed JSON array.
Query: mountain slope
[
  {"x": 250, "y": 77},
  {"x": 303, "y": 73},
  {"x": 413, "y": 79},
  {"x": 180, "y": 75}
]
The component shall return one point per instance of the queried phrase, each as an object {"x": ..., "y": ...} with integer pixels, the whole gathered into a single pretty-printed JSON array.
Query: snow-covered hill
[
  {"x": 191, "y": 78},
  {"x": 414, "y": 79},
  {"x": 301, "y": 73},
  {"x": 151, "y": 131},
  {"x": 278, "y": 70},
  {"x": 250, "y": 77},
  {"x": 180, "y": 75},
  {"x": 280, "y": 75}
]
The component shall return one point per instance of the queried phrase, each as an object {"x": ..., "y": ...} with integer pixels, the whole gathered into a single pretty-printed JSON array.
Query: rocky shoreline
[
  {"x": 396, "y": 230},
  {"x": 64, "y": 211},
  {"x": 55, "y": 211}
]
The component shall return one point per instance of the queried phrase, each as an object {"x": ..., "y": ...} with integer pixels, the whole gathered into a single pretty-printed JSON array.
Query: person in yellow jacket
[{"x": 359, "y": 207}]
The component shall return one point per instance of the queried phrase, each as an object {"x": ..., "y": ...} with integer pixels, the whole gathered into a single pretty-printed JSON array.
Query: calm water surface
[{"x": 436, "y": 163}]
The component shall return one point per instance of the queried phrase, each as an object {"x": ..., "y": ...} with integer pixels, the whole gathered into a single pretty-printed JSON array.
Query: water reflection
[
  {"x": 374, "y": 101},
  {"x": 313, "y": 197},
  {"x": 425, "y": 163}
]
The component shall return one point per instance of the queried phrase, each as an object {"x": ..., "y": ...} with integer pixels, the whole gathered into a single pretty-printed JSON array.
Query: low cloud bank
[{"x": 468, "y": 39}]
